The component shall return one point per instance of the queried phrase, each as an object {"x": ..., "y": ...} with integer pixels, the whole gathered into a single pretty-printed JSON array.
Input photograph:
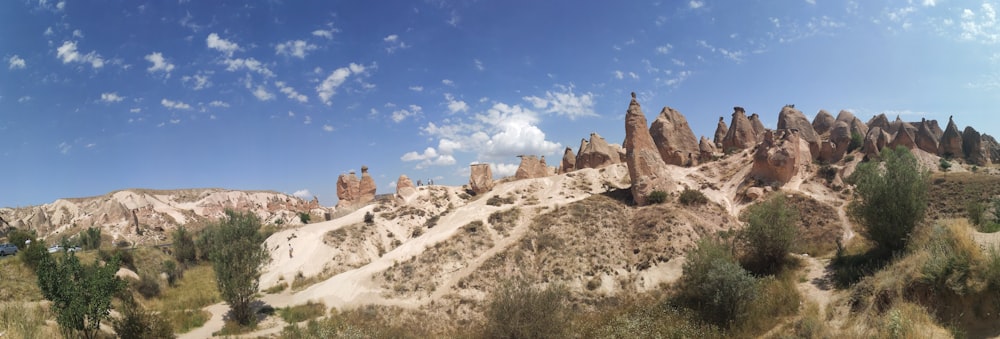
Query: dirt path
[
  {"x": 214, "y": 324},
  {"x": 818, "y": 286}
]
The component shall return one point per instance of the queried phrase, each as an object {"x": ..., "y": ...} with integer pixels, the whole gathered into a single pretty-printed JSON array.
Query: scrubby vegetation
[
  {"x": 657, "y": 197},
  {"x": 892, "y": 198},
  {"x": 692, "y": 197},
  {"x": 769, "y": 235}
]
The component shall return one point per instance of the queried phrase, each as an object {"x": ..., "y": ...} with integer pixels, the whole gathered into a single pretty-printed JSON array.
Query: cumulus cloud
[
  {"x": 303, "y": 194},
  {"x": 111, "y": 97},
  {"x": 565, "y": 103},
  {"x": 262, "y": 94},
  {"x": 982, "y": 26},
  {"x": 15, "y": 62},
  {"x": 329, "y": 86},
  {"x": 213, "y": 41},
  {"x": 160, "y": 64},
  {"x": 429, "y": 157},
  {"x": 295, "y": 48},
  {"x": 393, "y": 43},
  {"x": 401, "y": 114},
  {"x": 68, "y": 53},
  {"x": 455, "y": 106},
  {"x": 291, "y": 92},
  {"x": 174, "y": 104},
  {"x": 504, "y": 169},
  {"x": 197, "y": 82},
  {"x": 447, "y": 82},
  {"x": 250, "y": 64},
  {"x": 664, "y": 49}
]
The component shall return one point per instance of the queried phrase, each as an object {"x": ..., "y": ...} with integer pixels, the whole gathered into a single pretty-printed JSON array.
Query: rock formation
[
  {"x": 758, "y": 127},
  {"x": 481, "y": 178},
  {"x": 720, "y": 132},
  {"x": 880, "y": 121},
  {"x": 568, "y": 161},
  {"x": 741, "y": 134},
  {"x": 857, "y": 127},
  {"x": 778, "y": 156},
  {"x": 936, "y": 129},
  {"x": 972, "y": 147},
  {"x": 875, "y": 141},
  {"x": 899, "y": 124},
  {"x": 823, "y": 122},
  {"x": 531, "y": 167},
  {"x": 951, "y": 141},
  {"x": 645, "y": 167},
  {"x": 992, "y": 148},
  {"x": 673, "y": 138},
  {"x": 905, "y": 136},
  {"x": 348, "y": 189},
  {"x": 835, "y": 147},
  {"x": 791, "y": 118},
  {"x": 706, "y": 150},
  {"x": 367, "y": 186},
  {"x": 404, "y": 189},
  {"x": 925, "y": 139},
  {"x": 596, "y": 153}
]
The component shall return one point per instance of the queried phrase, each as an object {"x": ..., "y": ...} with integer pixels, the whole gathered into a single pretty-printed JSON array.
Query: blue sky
[{"x": 97, "y": 96}]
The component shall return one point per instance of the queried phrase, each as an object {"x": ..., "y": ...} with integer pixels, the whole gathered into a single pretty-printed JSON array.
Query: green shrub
[
  {"x": 715, "y": 285},
  {"x": 657, "y": 197},
  {"x": 975, "y": 211},
  {"x": 90, "y": 239},
  {"x": 857, "y": 140},
  {"x": 369, "y": 218},
  {"x": 239, "y": 263},
  {"x": 769, "y": 235},
  {"x": 304, "y": 217},
  {"x": 849, "y": 158},
  {"x": 692, "y": 197},
  {"x": 148, "y": 286},
  {"x": 299, "y": 313},
  {"x": 496, "y": 200},
  {"x": 944, "y": 165},
  {"x": 136, "y": 322},
  {"x": 891, "y": 200},
  {"x": 185, "y": 250},
  {"x": 518, "y": 310}
]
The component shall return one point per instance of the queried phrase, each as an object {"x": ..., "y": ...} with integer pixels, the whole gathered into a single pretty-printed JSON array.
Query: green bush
[
  {"x": 136, "y": 322},
  {"x": 769, "y": 235},
  {"x": 299, "y": 313},
  {"x": 715, "y": 285},
  {"x": 80, "y": 295},
  {"x": 944, "y": 165},
  {"x": 369, "y": 218},
  {"x": 857, "y": 140},
  {"x": 185, "y": 250},
  {"x": 148, "y": 286},
  {"x": 90, "y": 239},
  {"x": 304, "y": 217},
  {"x": 239, "y": 263},
  {"x": 692, "y": 197},
  {"x": 891, "y": 200},
  {"x": 657, "y": 197},
  {"x": 518, "y": 310},
  {"x": 975, "y": 210}
]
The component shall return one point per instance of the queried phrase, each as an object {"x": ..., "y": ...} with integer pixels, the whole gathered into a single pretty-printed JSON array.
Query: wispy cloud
[
  {"x": 479, "y": 65},
  {"x": 68, "y": 53},
  {"x": 111, "y": 97},
  {"x": 291, "y": 92},
  {"x": 394, "y": 43},
  {"x": 295, "y": 48},
  {"x": 401, "y": 114},
  {"x": 15, "y": 62},
  {"x": 262, "y": 94},
  {"x": 695, "y": 4},
  {"x": 417, "y": 88},
  {"x": 174, "y": 104},
  {"x": 564, "y": 102},
  {"x": 329, "y": 86}
]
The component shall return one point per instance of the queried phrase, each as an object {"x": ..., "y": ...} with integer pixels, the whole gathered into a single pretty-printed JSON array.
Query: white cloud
[
  {"x": 417, "y": 88},
  {"x": 982, "y": 26},
  {"x": 251, "y": 64},
  {"x": 328, "y": 87},
  {"x": 111, "y": 97},
  {"x": 676, "y": 78},
  {"x": 503, "y": 169},
  {"x": 159, "y": 63},
  {"x": 217, "y": 103},
  {"x": 448, "y": 82},
  {"x": 401, "y": 114},
  {"x": 455, "y": 106},
  {"x": 198, "y": 81},
  {"x": 328, "y": 128},
  {"x": 291, "y": 93},
  {"x": 296, "y": 48},
  {"x": 49, "y": 31},
  {"x": 664, "y": 49},
  {"x": 565, "y": 103},
  {"x": 77, "y": 33},
  {"x": 307, "y": 120},
  {"x": 135, "y": 110},
  {"x": 24, "y": 99},
  {"x": 394, "y": 43},
  {"x": 429, "y": 157},
  {"x": 454, "y": 19},
  {"x": 174, "y": 104},
  {"x": 325, "y": 33},
  {"x": 695, "y": 4},
  {"x": 479, "y": 65},
  {"x": 68, "y": 53},
  {"x": 64, "y": 147},
  {"x": 16, "y": 62},
  {"x": 429, "y": 153},
  {"x": 929, "y": 3},
  {"x": 619, "y": 75},
  {"x": 303, "y": 194},
  {"x": 262, "y": 94},
  {"x": 222, "y": 45}
]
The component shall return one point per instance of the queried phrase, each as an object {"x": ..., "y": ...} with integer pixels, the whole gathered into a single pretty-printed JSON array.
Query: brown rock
[
  {"x": 857, "y": 127},
  {"x": 531, "y": 167},
  {"x": 348, "y": 189},
  {"x": 755, "y": 193},
  {"x": 596, "y": 153},
  {"x": 706, "y": 149},
  {"x": 741, "y": 134},
  {"x": 481, "y": 178},
  {"x": 905, "y": 137},
  {"x": 992, "y": 148},
  {"x": 568, "y": 161},
  {"x": 720, "y": 132},
  {"x": 898, "y": 124},
  {"x": 840, "y": 139},
  {"x": 875, "y": 141},
  {"x": 880, "y": 121},
  {"x": 404, "y": 188},
  {"x": 972, "y": 147},
  {"x": 366, "y": 188},
  {"x": 673, "y": 138},
  {"x": 951, "y": 141},
  {"x": 778, "y": 156},
  {"x": 791, "y": 118},
  {"x": 936, "y": 129},
  {"x": 925, "y": 139},
  {"x": 758, "y": 127},
  {"x": 823, "y": 122},
  {"x": 645, "y": 167}
]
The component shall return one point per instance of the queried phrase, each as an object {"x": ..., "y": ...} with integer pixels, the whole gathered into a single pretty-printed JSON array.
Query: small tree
[
  {"x": 715, "y": 285},
  {"x": 90, "y": 239},
  {"x": 769, "y": 234},
  {"x": 857, "y": 140},
  {"x": 891, "y": 197},
  {"x": 80, "y": 295},
  {"x": 304, "y": 217},
  {"x": 518, "y": 310},
  {"x": 184, "y": 248},
  {"x": 239, "y": 262},
  {"x": 136, "y": 322}
]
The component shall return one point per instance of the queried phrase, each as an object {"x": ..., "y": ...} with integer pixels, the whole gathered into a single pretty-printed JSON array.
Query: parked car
[
  {"x": 8, "y": 249},
  {"x": 55, "y": 249}
]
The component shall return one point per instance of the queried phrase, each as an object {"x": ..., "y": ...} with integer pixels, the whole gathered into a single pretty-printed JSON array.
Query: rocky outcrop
[
  {"x": 899, "y": 124},
  {"x": 778, "y": 156},
  {"x": 972, "y": 147},
  {"x": 951, "y": 141},
  {"x": 758, "y": 127},
  {"x": 905, "y": 136},
  {"x": 835, "y": 147},
  {"x": 880, "y": 121},
  {"x": 480, "y": 178},
  {"x": 366, "y": 188},
  {"x": 706, "y": 150},
  {"x": 597, "y": 153},
  {"x": 875, "y": 141},
  {"x": 404, "y": 189},
  {"x": 720, "y": 132},
  {"x": 935, "y": 129},
  {"x": 857, "y": 127},
  {"x": 348, "y": 189},
  {"x": 531, "y": 167},
  {"x": 925, "y": 139},
  {"x": 645, "y": 167},
  {"x": 992, "y": 148},
  {"x": 673, "y": 138},
  {"x": 791, "y": 118},
  {"x": 568, "y": 161},
  {"x": 741, "y": 133},
  {"x": 823, "y": 122}
]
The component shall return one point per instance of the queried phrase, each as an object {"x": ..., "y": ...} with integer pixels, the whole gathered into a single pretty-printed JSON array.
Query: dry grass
[
  {"x": 299, "y": 313},
  {"x": 182, "y": 303},
  {"x": 20, "y": 320},
  {"x": 17, "y": 281}
]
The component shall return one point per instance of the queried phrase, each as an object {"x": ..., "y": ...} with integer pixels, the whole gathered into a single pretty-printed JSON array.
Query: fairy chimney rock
[
  {"x": 779, "y": 156},
  {"x": 973, "y": 147},
  {"x": 531, "y": 167},
  {"x": 823, "y": 122},
  {"x": 741, "y": 133},
  {"x": 791, "y": 118},
  {"x": 366, "y": 188},
  {"x": 646, "y": 169},
  {"x": 673, "y": 137},
  {"x": 480, "y": 178},
  {"x": 404, "y": 188},
  {"x": 706, "y": 149},
  {"x": 720, "y": 132},
  {"x": 951, "y": 141},
  {"x": 596, "y": 154},
  {"x": 568, "y": 161},
  {"x": 925, "y": 139}
]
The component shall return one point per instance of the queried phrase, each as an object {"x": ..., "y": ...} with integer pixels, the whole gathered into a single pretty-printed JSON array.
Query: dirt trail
[{"x": 818, "y": 286}]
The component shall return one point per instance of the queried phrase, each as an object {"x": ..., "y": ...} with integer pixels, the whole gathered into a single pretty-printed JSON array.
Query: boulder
[
  {"x": 779, "y": 156},
  {"x": 925, "y": 139},
  {"x": 758, "y": 127},
  {"x": 834, "y": 149},
  {"x": 596, "y": 153},
  {"x": 755, "y": 193},
  {"x": 531, "y": 167},
  {"x": 875, "y": 141},
  {"x": 673, "y": 138},
  {"x": 823, "y": 122},
  {"x": 404, "y": 189},
  {"x": 348, "y": 189},
  {"x": 480, "y": 178},
  {"x": 720, "y": 132},
  {"x": 880, "y": 121},
  {"x": 972, "y": 147},
  {"x": 741, "y": 134},
  {"x": 366, "y": 189},
  {"x": 706, "y": 149},
  {"x": 568, "y": 161},
  {"x": 951, "y": 141},
  {"x": 791, "y": 118},
  {"x": 646, "y": 169}
]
